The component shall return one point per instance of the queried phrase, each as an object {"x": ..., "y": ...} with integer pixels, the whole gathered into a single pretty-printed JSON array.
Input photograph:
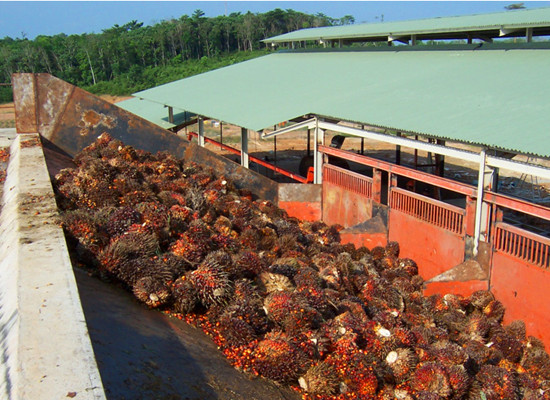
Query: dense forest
[{"x": 131, "y": 57}]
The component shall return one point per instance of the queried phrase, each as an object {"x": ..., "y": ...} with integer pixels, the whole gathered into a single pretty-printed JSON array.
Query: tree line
[{"x": 131, "y": 57}]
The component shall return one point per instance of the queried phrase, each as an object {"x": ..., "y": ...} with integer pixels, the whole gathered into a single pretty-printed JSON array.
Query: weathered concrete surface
[
  {"x": 45, "y": 348},
  {"x": 143, "y": 354}
]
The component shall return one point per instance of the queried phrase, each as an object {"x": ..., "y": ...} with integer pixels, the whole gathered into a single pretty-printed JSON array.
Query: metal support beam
[
  {"x": 529, "y": 35},
  {"x": 201, "y": 131},
  {"x": 310, "y": 123},
  {"x": 413, "y": 40},
  {"x": 317, "y": 155},
  {"x": 170, "y": 114},
  {"x": 463, "y": 155},
  {"x": 244, "y": 147},
  {"x": 479, "y": 201},
  {"x": 399, "y": 39}
]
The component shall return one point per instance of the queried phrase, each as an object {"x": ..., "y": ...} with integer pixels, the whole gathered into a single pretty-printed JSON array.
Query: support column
[
  {"x": 201, "y": 131},
  {"x": 244, "y": 147},
  {"x": 398, "y": 152},
  {"x": 479, "y": 202},
  {"x": 221, "y": 135},
  {"x": 170, "y": 114},
  {"x": 529, "y": 35},
  {"x": 318, "y": 156},
  {"x": 308, "y": 142}
]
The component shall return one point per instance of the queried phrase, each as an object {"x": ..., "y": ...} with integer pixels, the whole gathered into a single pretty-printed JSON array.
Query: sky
[{"x": 28, "y": 19}]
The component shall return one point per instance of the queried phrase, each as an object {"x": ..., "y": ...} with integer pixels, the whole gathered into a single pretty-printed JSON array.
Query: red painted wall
[
  {"x": 523, "y": 289},
  {"x": 434, "y": 249},
  {"x": 343, "y": 207}
]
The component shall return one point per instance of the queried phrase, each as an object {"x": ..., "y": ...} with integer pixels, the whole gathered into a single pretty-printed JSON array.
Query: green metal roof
[
  {"x": 508, "y": 20},
  {"x": 153, "y": 112},
  {"x": 497, "y": 97}
]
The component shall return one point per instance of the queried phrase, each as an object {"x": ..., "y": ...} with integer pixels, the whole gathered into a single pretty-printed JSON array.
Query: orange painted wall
[
  {"x": 369, "y": 240},
  {"x": 434, "y": 249},
  {"x": 523, "y": 289},
  {"x": 343, "y": 207},
  {"x": 306, "y": 211},
  {"x": 455, "y": 287}
]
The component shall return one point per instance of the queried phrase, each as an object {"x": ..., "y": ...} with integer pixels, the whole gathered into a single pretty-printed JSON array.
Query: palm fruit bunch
[{"x": 282, "y": 298}]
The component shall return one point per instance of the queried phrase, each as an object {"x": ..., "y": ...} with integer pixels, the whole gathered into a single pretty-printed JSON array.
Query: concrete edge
[{"x": 46, "y": 349}]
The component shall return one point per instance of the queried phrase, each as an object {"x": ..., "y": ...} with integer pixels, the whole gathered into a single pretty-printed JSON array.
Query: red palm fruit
[
  {"x": 497, "y": 383},
  {"x": 453, "y": 321},
  {"x": 248, "y": 264},
  {"x": 120, "y": 221},
  {"x": 307, "y": 277},
  {"x": 378, "y": 252},
  {"x": 184, "y": 295},
  {"x": 459, "y": 379},
  {"x": 449, "y": 353},
  {"x": 179, "y": 217},
  {"x": 251, "y": 312},
  {"x": 235, "y": 331},
  {"x": 125, "y": 248},
  {"x": 517, "y": 329},
  {"x": 279, "y": 304},
  {"x": 402, "y": 362},
  {"x": 277, "y": 358},
  {"x": 151, "y": 291},
  {"x": 225, "y": 242},
  {"x": 82, "y": 225},
  {"x": 494, "y": 310},
  {"x": 431, "y": 377},
  {"x": 320, "y": 380},
  {"x": 250, "y": 238},
  {"x": 535, "y": 359},
  {"x": 273, "y": 283},
  {"x": 481, "y": 298},
  {"x": 316, "y": 298},
  {"x": 154, "y": 214},
  {"x": 191, "y": 248},
  {"x": 212, "y": 284},
  {"x": 477, "y": 327},
  {"x": 510, "y": 347},
  {"x": 392, "y": 249}
]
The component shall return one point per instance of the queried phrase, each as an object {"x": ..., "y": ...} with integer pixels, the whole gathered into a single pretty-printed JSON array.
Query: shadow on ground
[{"x": 144, "y": 355}]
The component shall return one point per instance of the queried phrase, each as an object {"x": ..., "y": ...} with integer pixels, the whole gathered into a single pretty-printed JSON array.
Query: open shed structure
[
  {"x": 427, "y": 98},
  {"x": 480, "y": 103}
]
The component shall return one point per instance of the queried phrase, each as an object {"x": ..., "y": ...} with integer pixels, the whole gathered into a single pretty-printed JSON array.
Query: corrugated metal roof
[
  {"x": 506, "y": 20},
  {"x": 153, "y": 112},
  {"x": 498, "y": 98}
]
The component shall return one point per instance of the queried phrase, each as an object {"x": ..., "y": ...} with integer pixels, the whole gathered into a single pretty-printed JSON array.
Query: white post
[
  {"x": 317, "y": 156},
  {"x": 244, "y": 147},
  {"x": 479, "y": 201},
  {"x": 201, "y": 131}
]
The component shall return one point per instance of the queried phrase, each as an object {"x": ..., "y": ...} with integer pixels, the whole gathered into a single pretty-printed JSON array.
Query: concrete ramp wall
[{"x": 44, "y": 343}]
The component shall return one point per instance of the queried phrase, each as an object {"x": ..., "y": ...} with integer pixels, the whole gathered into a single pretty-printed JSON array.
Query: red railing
[
  {"x": 256, "y": 160},
  {"x": 440, "y": 214},
  {"x": 522, "y": 244},
  {"x": 348, "y": 180},
  {"x": 445, "y": 183}
]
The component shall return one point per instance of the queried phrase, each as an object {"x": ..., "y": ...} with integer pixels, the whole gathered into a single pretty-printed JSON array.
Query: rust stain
[{"x": 91, "y": 119}]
